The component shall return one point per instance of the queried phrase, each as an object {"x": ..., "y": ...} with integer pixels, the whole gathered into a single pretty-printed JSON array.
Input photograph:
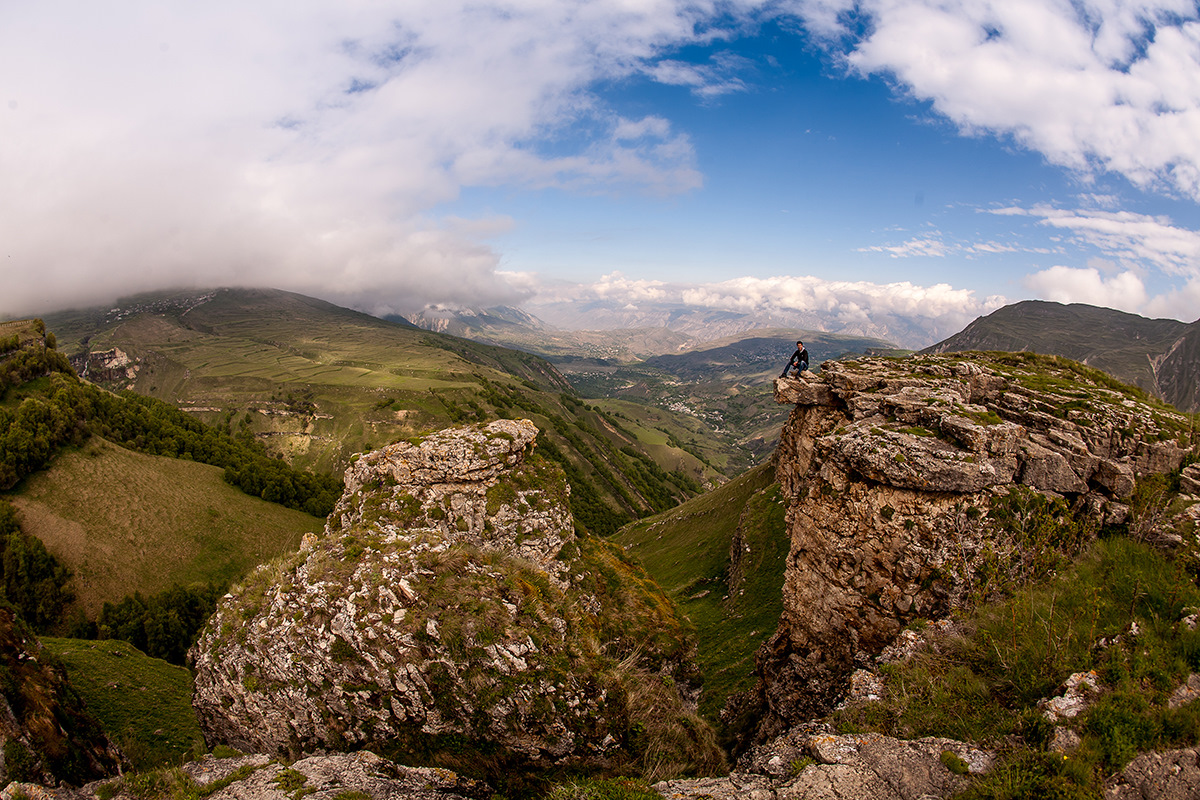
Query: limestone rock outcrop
[
  {"x": 811, "y": 762},
  {"x": 450, "y": 615},
  {"x": 259, "y": 777},
  {"x": 892, "y": 469},
  {"x": 1169, "y": 775}
]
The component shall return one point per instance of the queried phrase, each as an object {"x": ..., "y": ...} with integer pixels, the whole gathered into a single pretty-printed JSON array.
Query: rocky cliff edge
[{"x": 894, "y": 469}]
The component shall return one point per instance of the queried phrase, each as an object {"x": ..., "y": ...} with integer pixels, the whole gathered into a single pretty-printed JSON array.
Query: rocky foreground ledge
[{"x": 895, "y": 471}]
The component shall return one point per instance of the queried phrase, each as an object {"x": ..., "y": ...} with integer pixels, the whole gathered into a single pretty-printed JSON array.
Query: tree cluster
[
  {"x": 38, "y": 587},
  {"x": 67, "y": 411},
  {"x": 33, "y": 581},
  {"x": 163, "y": 625},
  {"x": 31, "y": 362}
]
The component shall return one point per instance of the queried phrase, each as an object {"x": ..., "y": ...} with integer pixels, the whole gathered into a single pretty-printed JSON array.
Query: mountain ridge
[
  {"x": 316, "y": 383},
  {"x": 1161, "y": 356}
]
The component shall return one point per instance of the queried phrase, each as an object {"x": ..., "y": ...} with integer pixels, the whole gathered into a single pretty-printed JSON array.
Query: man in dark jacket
[{"x": 799, "y": 359}]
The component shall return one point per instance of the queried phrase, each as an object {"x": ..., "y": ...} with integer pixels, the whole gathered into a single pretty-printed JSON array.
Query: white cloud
[
  {"x": 1182, "y": 303},
  {"x": 929, "y": 246},
  {"x": 912, "y": 314},
  {"x": 1091, "y": 84},
  {"x": 1060, "y": 284},
  {"x": 1134, "y": 248},
  {"x": 306, "y": 145},
  {"x": 936, "y": 246},
  {"x": 717, "y": 77},
  {"x": 1136, "y": 238}
]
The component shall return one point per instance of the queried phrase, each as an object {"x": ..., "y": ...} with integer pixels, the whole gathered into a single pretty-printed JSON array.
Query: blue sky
[{"x": 839, "y": 158}]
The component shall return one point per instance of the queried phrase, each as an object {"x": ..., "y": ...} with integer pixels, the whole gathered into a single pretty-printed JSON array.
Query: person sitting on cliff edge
[{"x": 799, "y": 359}]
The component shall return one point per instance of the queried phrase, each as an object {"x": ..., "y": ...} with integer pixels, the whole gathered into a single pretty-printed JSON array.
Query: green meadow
[
  {"x": 126, "y": 522},
  {"x": 144, "y": 704},
  {"x": 735, "y": 606}
]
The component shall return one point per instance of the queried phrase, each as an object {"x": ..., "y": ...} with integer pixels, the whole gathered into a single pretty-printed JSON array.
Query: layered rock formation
[
  {"x": 894, "y": 470},
  {"x": 449, "y": 614}
]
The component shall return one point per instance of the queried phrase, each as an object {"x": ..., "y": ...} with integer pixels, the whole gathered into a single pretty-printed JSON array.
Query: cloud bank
[
  {"x": 907, "y": 314},
  {"x": 306, "y": 145},
  {"x": 309, "y": 146}
]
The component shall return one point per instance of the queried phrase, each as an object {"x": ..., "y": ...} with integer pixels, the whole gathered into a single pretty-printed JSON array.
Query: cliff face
[
  {"x": 450, "y": 615},
  {"x": 895, "y": 473}
]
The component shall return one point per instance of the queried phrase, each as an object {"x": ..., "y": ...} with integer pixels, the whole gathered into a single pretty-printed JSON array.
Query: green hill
[
  {"x": 720, "y": 558},
  {"x": 316, "y": 383},
  {"x": 319, "y": 381},
  {"x": 144, "y": 704},
  {"x": 126, "y": 522},
  {"x": 1158, "y": 355}
]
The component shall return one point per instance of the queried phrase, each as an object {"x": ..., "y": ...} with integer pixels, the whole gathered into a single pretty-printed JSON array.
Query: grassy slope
[
  {"x": 145, "y": 704},
  {"x": 249, "y": 350},
  {"x": 687, "y": 551},
  {"x": 318, "y": 383},
  {"x": 983, "y": 683},
  {"x": 126, "y": 522}
]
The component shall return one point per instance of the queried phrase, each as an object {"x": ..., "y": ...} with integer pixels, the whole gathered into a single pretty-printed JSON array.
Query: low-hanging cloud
[
  {"x": 912, "y": 314},
  {"x": 307, "y": 146},
  {"x": 1123, "y": 291}
]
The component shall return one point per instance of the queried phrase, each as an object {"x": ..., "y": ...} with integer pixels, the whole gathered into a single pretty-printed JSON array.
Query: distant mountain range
[
  {"x": 595, "y": 332},
  {"x": 659, "y": 325},
  {"x": 1161, "y": 356}
]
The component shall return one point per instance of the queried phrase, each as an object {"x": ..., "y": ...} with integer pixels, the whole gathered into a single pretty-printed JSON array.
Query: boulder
[
  {"x": 450, "y": 614},
  {"x": 1170, "y": 775},
  {"x": 812, "y": 763},
  {"x": 1189, "y": 480}
]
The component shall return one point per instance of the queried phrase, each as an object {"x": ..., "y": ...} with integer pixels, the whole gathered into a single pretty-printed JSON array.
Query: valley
[
  {"x": 316, "y": 384},
  {"x": 633, "y": 547}
]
